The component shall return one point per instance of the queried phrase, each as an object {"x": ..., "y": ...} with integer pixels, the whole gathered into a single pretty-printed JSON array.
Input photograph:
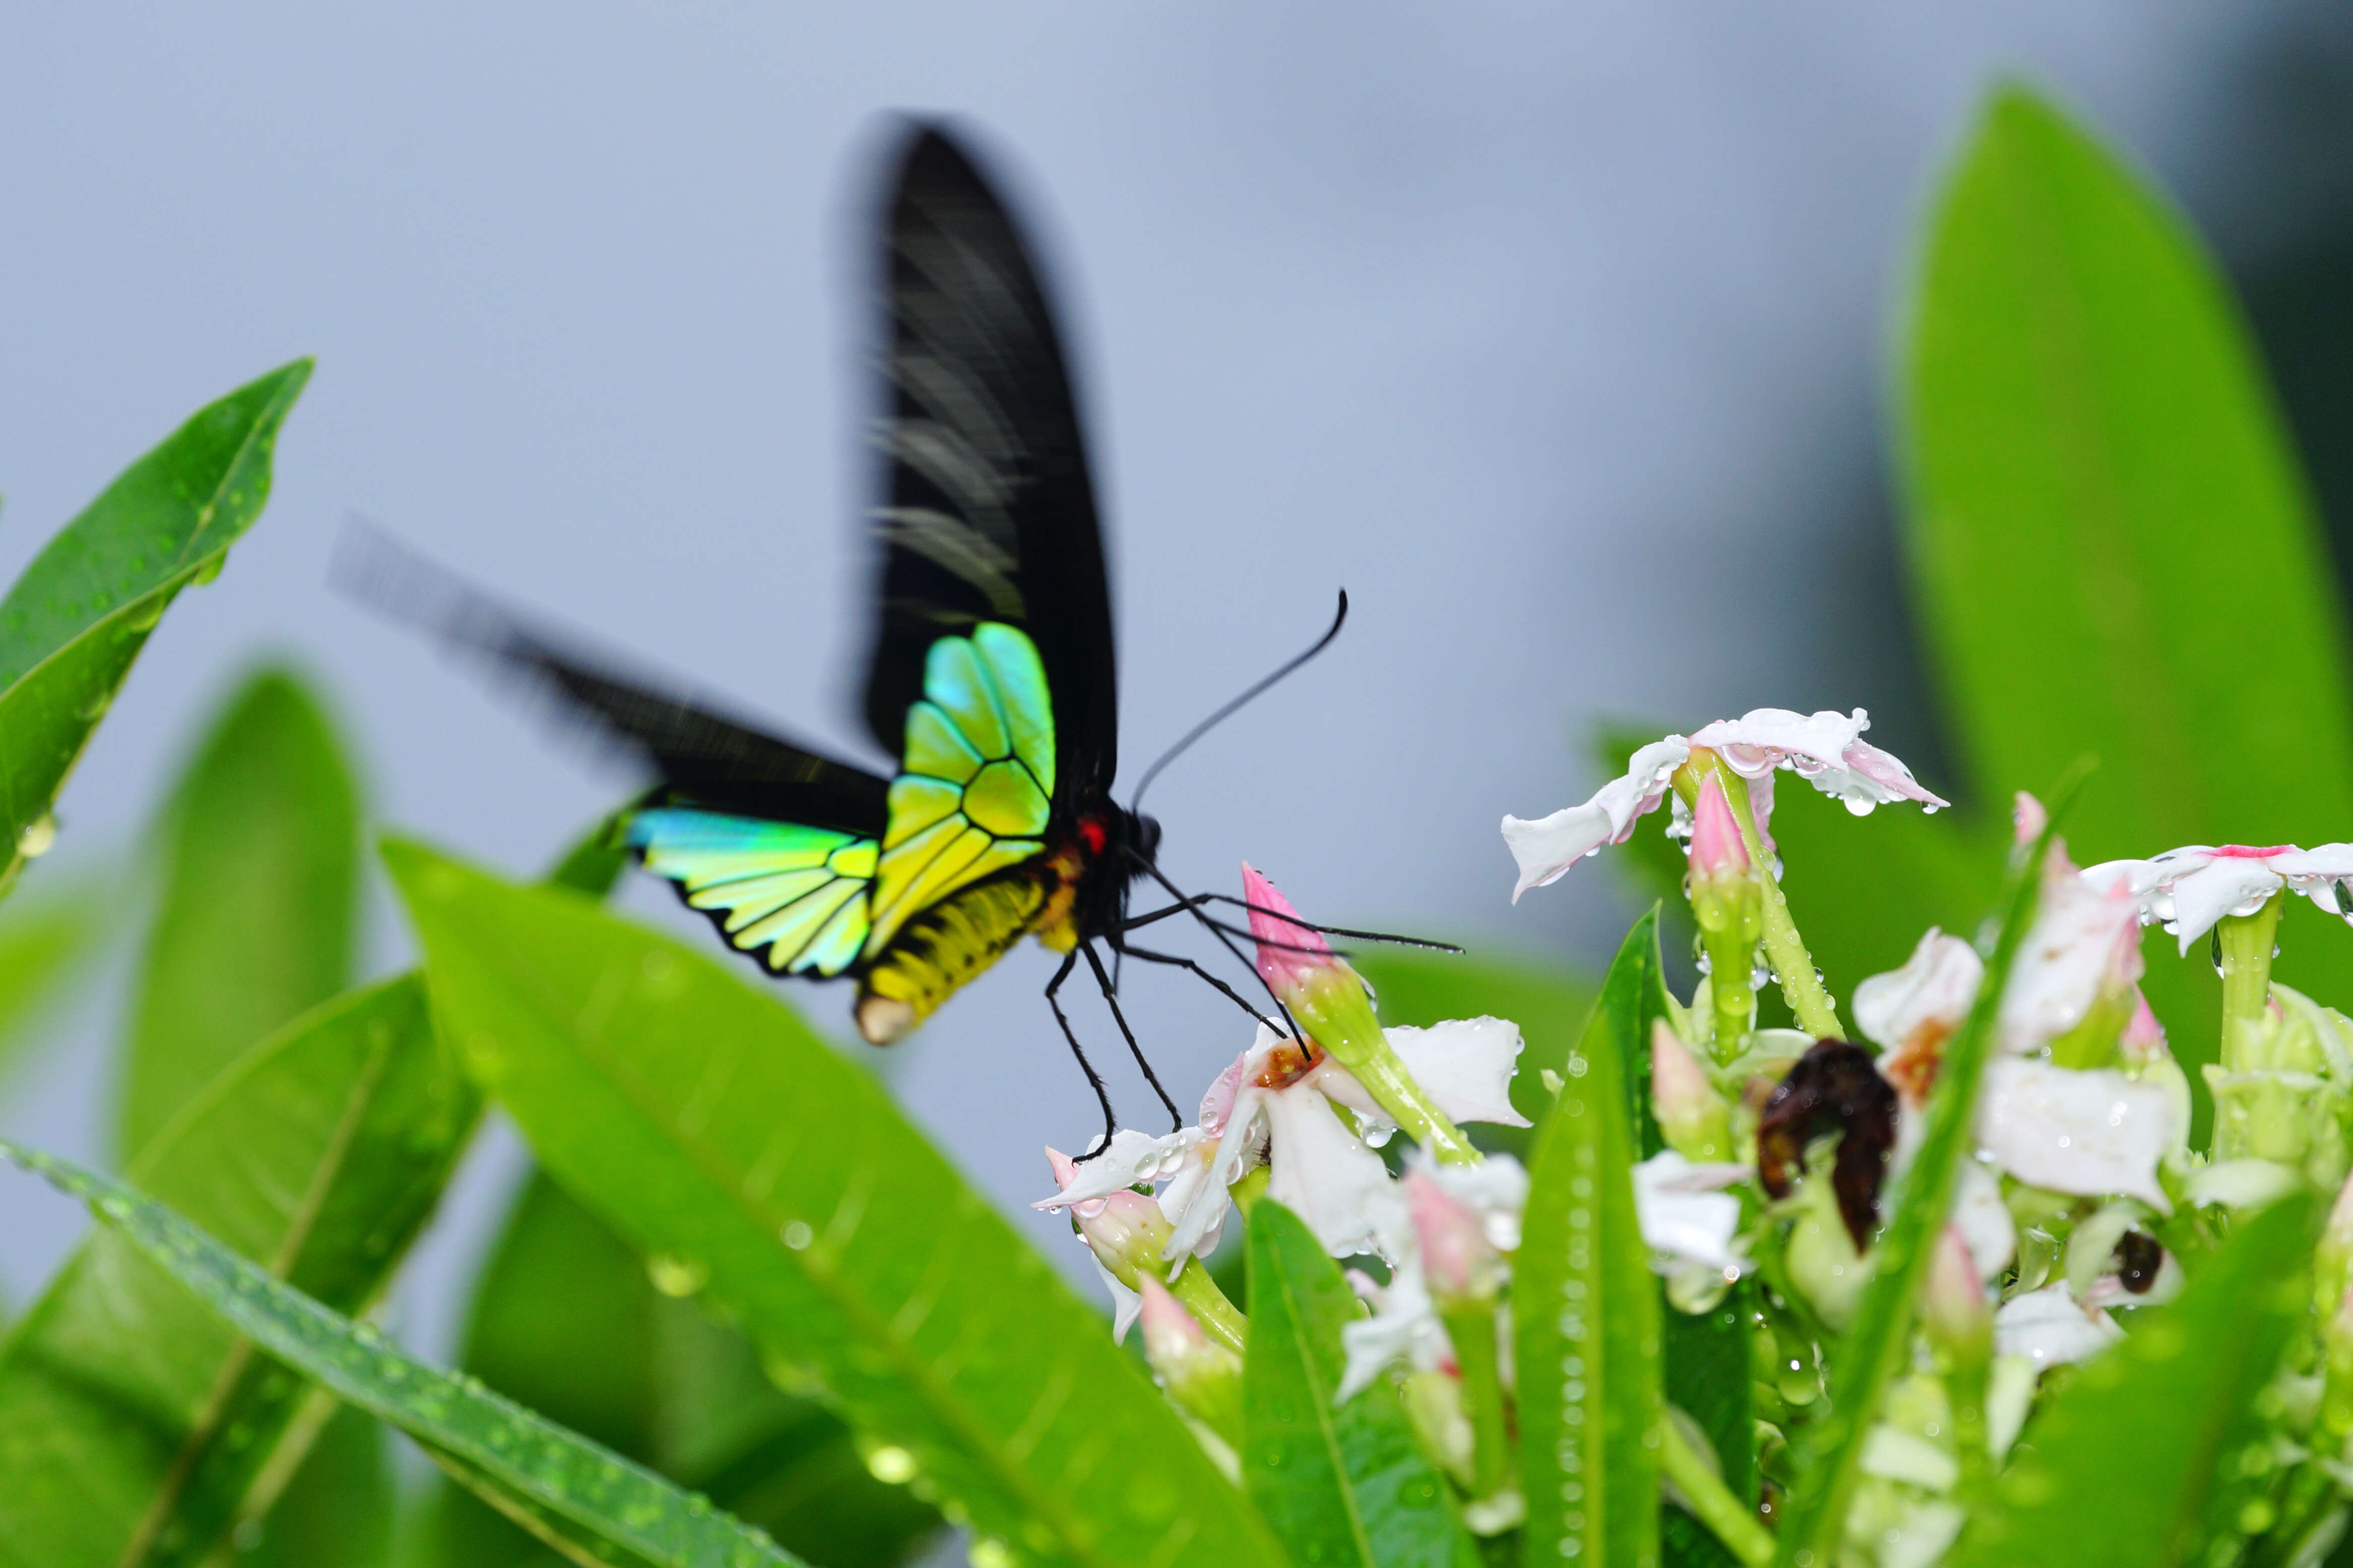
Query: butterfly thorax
[{"x": 1075, "y": 891}]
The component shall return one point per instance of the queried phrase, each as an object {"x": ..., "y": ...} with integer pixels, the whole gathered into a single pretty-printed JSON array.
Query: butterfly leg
[
  {"x": 1094, "y": 1078},
  {"x": 1192, "y": 906},
  {"x": 1174, "y": 961},
  {"x": 1111, "y": 998}
]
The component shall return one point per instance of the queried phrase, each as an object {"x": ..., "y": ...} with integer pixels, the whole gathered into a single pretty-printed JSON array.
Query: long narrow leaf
[
  {"x": 134, "y": 1427},
  {"x": 568, "y": 1320},
  {"x": 261, "y": 843},
  {"x": 2128, "y": 1462},
  {"x": 73, "y": 624},
  {"x": 708, "y": 1126},
  {"x": 551, "y": 1473},
  {"x": 1877, "y": 1345},
  {"x": 1345, "y": 1485},
  {"x": 1585, "y": 1304}
]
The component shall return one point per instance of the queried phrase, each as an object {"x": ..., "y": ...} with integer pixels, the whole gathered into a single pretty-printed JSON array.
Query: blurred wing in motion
[
  {"x": 776, "y": 844},
  {"x": 988, "y": 512}
]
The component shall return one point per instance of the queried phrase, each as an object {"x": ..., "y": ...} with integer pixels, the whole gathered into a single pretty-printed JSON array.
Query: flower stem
[
  {"x": 1799, "y": 983},
  {"x": 1332, "y": 1007},
  {"x": 1201, "y": 1296},
  {"x": 1470, "y": 1325},
  {"x": 1711, "y": 1503},
  {"x": 2247, "y": 942}
]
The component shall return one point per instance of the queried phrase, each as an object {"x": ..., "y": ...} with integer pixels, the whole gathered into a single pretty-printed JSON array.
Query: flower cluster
[{"x": 1772, "y": 1156}]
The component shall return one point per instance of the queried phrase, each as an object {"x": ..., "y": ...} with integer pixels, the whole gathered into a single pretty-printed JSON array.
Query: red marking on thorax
[{"x": 1093, "y": 834}]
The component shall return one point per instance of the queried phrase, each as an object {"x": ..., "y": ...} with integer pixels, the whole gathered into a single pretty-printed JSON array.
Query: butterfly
[{"x": 992, "y": 676}]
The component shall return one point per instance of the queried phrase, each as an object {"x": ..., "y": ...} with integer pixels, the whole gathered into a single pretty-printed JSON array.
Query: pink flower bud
[
  {"x": 1289, "y": 954},
  {"x": 1202, "y": 1375},
  {"x": 1953, "y": 1304},
  {"x": 2028, "y": 818},
  {"x": 1456, "y": 1258},
  {"x": 1716, "y": 849},
  {"x": 2144, "y": 1037},
  {"x": 1125, "y": 1229},
  {"x": 1694, "y": 1117}
]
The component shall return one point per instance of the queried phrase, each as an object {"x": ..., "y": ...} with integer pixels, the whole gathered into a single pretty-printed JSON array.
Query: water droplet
[
  {"x": 39, "y": 835},
  {"x": 892, "y": 1465},
  {"x": 798, "y": 1235},
  {"x": 675, "y": 1276}
]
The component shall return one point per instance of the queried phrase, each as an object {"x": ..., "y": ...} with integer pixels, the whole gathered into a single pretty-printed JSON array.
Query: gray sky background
[{"x": 1552, "y": 332}]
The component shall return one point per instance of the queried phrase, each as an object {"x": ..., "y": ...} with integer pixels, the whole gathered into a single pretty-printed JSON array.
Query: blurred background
[{"x": 1555, "y": 334}]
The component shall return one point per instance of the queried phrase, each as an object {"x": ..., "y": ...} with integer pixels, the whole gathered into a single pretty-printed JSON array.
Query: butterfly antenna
[
  {"x": 1390, "y": 937},
  {"x": 1230, "y": 709}
]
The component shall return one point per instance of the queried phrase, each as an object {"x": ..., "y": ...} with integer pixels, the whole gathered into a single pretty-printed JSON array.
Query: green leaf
[
  {"x": 341, "y": 1507},
  {"x": 1340, "y": 1484},
  {"x": 722, "y": 1137},
  {"x": 43, "y": 942},
  {"x": 1707, "y": 1376},
  {"x": 2129, "y": 1461},
  {"x": 262, "y": 847},
  {"x": 1549, "y": 1006},
  {"x": 566, "y": 1321},
  {"x": 1879, "y": 1343},
  {"x": 2115, "y": 549},
  {"x": 1584, "y": 1305},
  {"x": 571, "y": 1484},
  {"x": 78, "y": 617},
  {"x": 134, "y": 1427}
]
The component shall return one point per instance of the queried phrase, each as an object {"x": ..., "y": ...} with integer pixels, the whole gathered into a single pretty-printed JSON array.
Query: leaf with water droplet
[{"x": 637, "y": 1514}]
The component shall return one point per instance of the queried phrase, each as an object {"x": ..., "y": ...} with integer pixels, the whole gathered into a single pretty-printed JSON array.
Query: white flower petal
[
  {"x": 1679, "y": 1216},
  {"x": 1323, "y": 1173},
  {"x": 2085, "y": 937},
  {"x": 1126, "y": 1305},
  {"x": 1404, "y": 1325},
  {"x": 1495, "y": 1189},
  {"x": 1134, "y": 1159},
  {"x": 1825, "y": 749},
  {"x": 1198, "y": 1210},
  {"x": 1936, "y": 985},
  {"x": 2222, "y": 885},
  {"x": 1465, "y": 1065},
  {"x": 1986, "y": 1225},
  {"x": 2049, "y": 1329},
  {"x": 1549, "y": 845},
  {"x": 2093, "y": 1133}
]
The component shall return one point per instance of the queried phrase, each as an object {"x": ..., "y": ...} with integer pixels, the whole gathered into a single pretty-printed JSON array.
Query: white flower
[
  {"x": 1935, "y": 987},
  {"x": 1272, "y": 1104},
  {"x": 1685, "y": 1216},
  {"x": 1825, "y": 749},
  {"x": 1404, "y": 1325},
  {"x": 1984, "y": 1220},
  {"x": 1495, "y": 1189},
  {"x": 2190, "y": 889},
  {"x": 2093, "y": 1133},
  {"x": 2049, "y": 1329},
  {"x": 1465, "y": 1064},
  {"x": 2084, "y": 944},
  {"x": 1134, "y": 1159}
]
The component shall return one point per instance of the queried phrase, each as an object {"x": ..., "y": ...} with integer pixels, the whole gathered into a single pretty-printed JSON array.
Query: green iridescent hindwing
[
  {"x": 976, "y": 786},
  {"x": 798, "y": 891}
]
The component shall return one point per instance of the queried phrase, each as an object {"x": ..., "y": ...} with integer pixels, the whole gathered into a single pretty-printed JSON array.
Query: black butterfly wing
[
  {"x": 988, "y": 510},
  {"x": 702, "y": 756}
]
